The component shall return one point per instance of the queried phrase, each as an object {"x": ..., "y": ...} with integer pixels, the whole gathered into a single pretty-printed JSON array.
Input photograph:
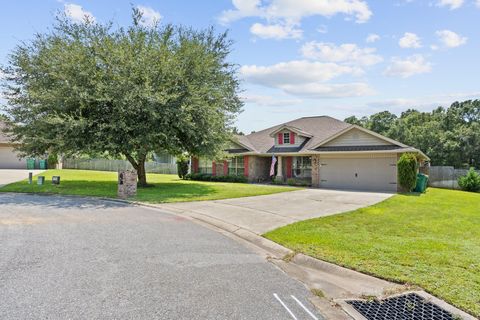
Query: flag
[{"x": 272, "y": 167}]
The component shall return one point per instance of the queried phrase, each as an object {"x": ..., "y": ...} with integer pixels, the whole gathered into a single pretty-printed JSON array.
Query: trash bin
[
  {"x": 30, "y": 164},
  {"x": 42, "y": 164},
  {"x": 422, "y": 183}
]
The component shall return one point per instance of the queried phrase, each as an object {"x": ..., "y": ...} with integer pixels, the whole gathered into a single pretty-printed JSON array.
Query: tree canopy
[
  {"x": 90, "y": 88},
  {"x": 448, "y": 136}
]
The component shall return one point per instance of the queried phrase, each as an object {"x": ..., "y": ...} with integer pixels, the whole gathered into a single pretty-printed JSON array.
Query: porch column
[
  {"x": 279, "y": 167},
  {"x": 316, "y": 171}
]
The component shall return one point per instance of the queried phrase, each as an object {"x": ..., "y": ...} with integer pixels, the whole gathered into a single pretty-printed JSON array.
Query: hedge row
[{"x": 209, "y": 177}]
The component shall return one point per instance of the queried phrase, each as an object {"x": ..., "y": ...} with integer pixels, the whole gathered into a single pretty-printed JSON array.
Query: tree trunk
[
  {"x": 142, "y": 176},
  {"x": 140, "y": 167}
]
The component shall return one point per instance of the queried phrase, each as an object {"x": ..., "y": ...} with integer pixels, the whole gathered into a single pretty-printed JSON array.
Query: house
[
  {"x": 320, "y": 151},
  {"x": 8, "y": 157}
]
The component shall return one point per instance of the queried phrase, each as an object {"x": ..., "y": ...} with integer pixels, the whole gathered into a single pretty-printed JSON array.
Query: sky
[{"x": 308, "y": 57}]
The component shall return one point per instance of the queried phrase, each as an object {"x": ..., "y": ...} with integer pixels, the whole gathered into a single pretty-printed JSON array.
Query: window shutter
[
  {"x": 289, "y": 166},
  {"x": 280, "y": 138},
  {"x": 292, "y": 137},
  {"x": 195, "y": 165},
  {"x": 225, "y": 167}
]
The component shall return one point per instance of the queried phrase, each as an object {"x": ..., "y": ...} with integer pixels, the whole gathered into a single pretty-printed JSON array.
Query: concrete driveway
[
  {"x": 12, "y": 175},
  {"x": 264, "y": 213},
  {"x": 74, "y": 258}
]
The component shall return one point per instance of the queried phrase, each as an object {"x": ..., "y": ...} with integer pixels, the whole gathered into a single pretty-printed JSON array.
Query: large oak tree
[{"x": 89, "y": 88}]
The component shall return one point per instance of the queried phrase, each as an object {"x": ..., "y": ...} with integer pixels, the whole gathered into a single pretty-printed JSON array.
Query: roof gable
[
  {"x": 286, "y": 127},
  {"x": 357, "y": 136}
]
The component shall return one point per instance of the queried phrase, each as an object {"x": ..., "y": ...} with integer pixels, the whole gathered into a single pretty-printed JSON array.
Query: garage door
[
  {"x": 369, "y": 174},
  {"x": 9, "y": 160}
]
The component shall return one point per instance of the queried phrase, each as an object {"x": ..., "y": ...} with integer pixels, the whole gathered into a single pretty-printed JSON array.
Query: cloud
[
  {"x": 410, "y": 40},
  {"x": 453, "y": 4},
  {"x": 450, "y": 39},
  {"x": 281, "y": 14},
  {"x": 77, "y": 14},
  {"x": 306, "y": 79},
  {"x": 269, "y": 101},
  {"x": 327, "y": 90},
  {"x": 150, "y": 17},
  {"x": 297, "y": 71},
  {"x": 276, "y": 31},
  {"x": 295, "y": 10},
  {"x": 404, "y": 68},
  {"x": 372, "y": 37},
  {"x": 478, "y": 3},
  {"x": 347, "y": 53}
]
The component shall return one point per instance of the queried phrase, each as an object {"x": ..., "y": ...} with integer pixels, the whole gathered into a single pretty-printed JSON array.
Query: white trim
[
  {"x": 353, "y": 126},
  {"x": 241, "y": 144},
  {"x": 290, "y": 128},
  {"x": 313, "y": 152}
]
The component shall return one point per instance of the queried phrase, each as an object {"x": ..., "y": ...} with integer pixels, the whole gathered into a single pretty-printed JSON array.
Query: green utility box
[
  {"x": 30, "y": 164},
  {"x": 422, "y": 183},
  {"x": 42, "y": 164}
]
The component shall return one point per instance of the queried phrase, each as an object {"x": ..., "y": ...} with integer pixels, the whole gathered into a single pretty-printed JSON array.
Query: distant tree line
[{"x": 449, "y": 136}]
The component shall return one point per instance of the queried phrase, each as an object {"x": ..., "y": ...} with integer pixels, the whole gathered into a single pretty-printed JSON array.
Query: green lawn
[
  {"x": 431, "y": 240},
  {"x": 165, "y": 188}
]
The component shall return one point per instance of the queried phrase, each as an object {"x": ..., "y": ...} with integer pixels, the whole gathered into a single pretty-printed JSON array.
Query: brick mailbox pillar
[{"x": 127, "y": 183}]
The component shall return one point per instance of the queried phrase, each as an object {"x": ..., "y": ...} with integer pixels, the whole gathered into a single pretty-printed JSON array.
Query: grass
[
  {"x": 430, "y": 240},
  {"x": 165, "y": 188}
]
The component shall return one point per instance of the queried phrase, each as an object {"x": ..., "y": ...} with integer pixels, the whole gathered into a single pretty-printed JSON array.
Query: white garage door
[
  {"x": 9, "y": 160},
  {"x": 369, "y": 174}
]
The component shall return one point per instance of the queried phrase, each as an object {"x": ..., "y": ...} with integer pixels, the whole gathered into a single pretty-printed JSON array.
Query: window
[
  {"x": 286, "y": 137},
  {"x": 235, "y": 166},
  {"x": 302, "y": 167},
  {"x": 205, "y": 166}
]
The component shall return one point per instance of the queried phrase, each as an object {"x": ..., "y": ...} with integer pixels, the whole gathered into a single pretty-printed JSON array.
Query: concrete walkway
[
  {"x": 264, "y": 213},
  {"x": 8, "y": 176}
]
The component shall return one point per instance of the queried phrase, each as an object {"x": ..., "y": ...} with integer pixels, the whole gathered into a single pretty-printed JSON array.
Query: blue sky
[{"x": 310, "y": 57}]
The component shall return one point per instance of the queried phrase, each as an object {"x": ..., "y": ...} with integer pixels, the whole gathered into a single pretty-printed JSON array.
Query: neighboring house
[
  {"x": 320, "y": 151},
  {"x": 8, "y": 157}
]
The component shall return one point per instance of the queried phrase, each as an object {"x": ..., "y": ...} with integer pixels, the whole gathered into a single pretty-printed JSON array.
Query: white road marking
[
  {"x": 304, "y": 308},
  {"x": 285, "y": 306}
]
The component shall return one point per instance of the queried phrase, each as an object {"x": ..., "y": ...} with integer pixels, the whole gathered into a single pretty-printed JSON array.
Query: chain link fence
[{"x": 115, "y": 165}]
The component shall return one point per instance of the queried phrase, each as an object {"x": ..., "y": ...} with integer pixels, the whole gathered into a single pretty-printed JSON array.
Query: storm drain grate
[{"x": 405, "y": 307}]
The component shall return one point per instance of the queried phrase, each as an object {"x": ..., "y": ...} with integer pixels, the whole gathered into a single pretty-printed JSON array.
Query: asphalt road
[{"x": 73, "y": 258}]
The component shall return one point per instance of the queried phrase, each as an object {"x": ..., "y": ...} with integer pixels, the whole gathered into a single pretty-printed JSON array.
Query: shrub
[
  {"x": 277, "y": 180},
  {"x": 291, "y": 182},
  {"x": 182, "y": 167},
  {"x": 209, "y": 177},
  {"x": 52, "y": 161},
  {"x": 470, "y": 181},
  {"x": 407, "y": 171}
]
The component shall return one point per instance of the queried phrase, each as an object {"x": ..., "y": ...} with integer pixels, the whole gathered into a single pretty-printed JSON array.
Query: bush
[
  {"x": 407, "y": 171},
  {"x": 209, "y": 177},
  {"x": 291, "y": 182},
  {"x": 470, "y": 181},
  {"x": 52, "y": 161},
  {"x": 182, "y": 167},
  {"x": 277, "y": 180}
]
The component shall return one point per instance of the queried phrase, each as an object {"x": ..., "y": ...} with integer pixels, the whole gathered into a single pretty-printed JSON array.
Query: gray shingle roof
[{"x": 321, "y": 127}]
